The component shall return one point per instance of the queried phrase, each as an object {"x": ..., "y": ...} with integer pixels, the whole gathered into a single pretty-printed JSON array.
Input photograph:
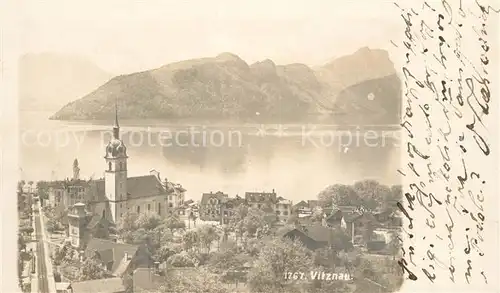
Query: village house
[
  {"x": 388, "y": 227},
  {"x": 311, "y": 236},
  {"x": 312, "y": 203},
  {"x": 334, "y": 220},
  {"x": 56, "y": 192},
  {"x": 260, "y": 200},
  {"x": 66, "y": 193},
  {"x": 356, "y": 225},
  {"x": 119, "y": 259},
  {"x": 83, "y": 226},
  {"x": 283, "y": 209},
  {"x": 300, "y": 205},
  {"x": 210, "y": 206},
  {"x": 229, "y": 208}
]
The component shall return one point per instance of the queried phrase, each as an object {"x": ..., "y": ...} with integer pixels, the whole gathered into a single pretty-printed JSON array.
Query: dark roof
[
  {"x": 335, "y": 216},
  {"x": 95, "y": 220},
  {"x": 283, "y": 231},
  {"x": 232, "y": 202},
  {"x": 389, "y": 219},
  {"x": 306, "y": 220},
  {"x": 118, "y": 250},
  {"x": 318, "y": 233},
  {"x": 328, "y": 210},
  {"x": 144, "y": 186},
  {"x": 346, "y": 209},
  {"x": 189, "y": 201},
  {"x": 261, "y": 197},
  {"x": 106, "y": 255},
  {"x": 207, "y": 196},
  {"x": 146, "y": 279},
  {"x": 137, "y": 187},
  {"x": 300, "y": 204},
  {"x": 313, "y": 203},
  {"x": 350, "y": 217},
  {"x": 112, "y": 285}
]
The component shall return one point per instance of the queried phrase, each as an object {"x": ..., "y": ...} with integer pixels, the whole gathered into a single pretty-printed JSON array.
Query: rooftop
[
  {"x": 140, "y": 187},
  {"x": 261, "y": 196},
  {"x": 112, "y": 285},
  {"x": 207, "y": 196},
  {"x": 111, "y": 251}
]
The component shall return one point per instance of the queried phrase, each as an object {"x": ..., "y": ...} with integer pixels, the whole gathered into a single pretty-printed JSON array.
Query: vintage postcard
[{"x": 250, "y": 146}]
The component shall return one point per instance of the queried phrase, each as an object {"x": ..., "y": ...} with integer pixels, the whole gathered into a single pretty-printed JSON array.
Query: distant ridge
[
  {"x": 226, "y": 88},
  {"x": 48, "y": 81}
]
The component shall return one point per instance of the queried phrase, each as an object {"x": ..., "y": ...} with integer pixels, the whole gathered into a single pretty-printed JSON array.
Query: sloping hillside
[{"x": 226, "y": 88}]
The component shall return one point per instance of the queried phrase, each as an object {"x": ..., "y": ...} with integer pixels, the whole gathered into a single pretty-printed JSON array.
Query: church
[{"x": 111, "y": 197}]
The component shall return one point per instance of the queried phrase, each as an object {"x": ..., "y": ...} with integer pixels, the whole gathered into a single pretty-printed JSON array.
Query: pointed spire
[
  {"x": 116, "y": 128},
  {"x": 116, "y": 113}
]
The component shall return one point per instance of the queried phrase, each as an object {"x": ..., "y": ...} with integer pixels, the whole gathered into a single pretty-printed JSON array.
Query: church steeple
[{"x": 116, "y": 127}]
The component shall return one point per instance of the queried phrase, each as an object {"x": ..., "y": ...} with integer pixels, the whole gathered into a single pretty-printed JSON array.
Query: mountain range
[
  {"x": 361, "y": 88},
  {"x": 48, "y": 81}
]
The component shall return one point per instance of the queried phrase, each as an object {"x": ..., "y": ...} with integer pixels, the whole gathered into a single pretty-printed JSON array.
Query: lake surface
[{"x": 298, "y": 161}]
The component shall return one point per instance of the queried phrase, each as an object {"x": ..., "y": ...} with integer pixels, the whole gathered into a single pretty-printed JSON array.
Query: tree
[
  {"x": 42, "y": 188},
  {"x": 255, "y": 219},
  {"x": 253, "y": 247},
  {"x": 20, "y": 267},
  {"x": 51, "y": 225},
  {"x": 207, "y": 235},
  {"x": 340, "y": 241},
  {"x": 194, "y": 219},
  {"x": 339, "y": 195},
  {"x": 317, "y": 215},
  {"x": 225, "y": 233},
  {"x": 20, "y": 185},
  {"x": 148, "y": 221},
  {"x": 65, "y": 254},
  {"x": 226, "y": 261},
  {"x": 128, "y": 222},
  {"x": 182, "y": 259},
  {"x": 191, "y": 216},
  {"x": 393, "y": 197},
  {"x": 293, "y": 219},
  {"x": 394, "y": 246},
  {"x": 173, "y": 222},
  {"x": 166, "y": 251},
  {"x": 21, "y": 244},
  {"x": 200, "y": 282},
  {"x": 27, "y": 230},
  {"x": 92, "y": 269},
  {"x": 277, "y": 258},
  {"x": 190, "y": 239},
  {"x": 371, "y": 193},
  {"x": 30, "y": 183}
]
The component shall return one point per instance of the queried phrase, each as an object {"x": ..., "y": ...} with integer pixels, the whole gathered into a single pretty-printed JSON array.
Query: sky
[{"x": 131, "y": 35}]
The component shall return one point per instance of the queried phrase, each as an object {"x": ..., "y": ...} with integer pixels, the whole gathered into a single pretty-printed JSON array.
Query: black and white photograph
[{"x": 255, "y": 146}]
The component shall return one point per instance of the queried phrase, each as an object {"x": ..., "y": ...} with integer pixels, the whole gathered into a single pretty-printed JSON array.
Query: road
[{"x": 41, "y": 266}]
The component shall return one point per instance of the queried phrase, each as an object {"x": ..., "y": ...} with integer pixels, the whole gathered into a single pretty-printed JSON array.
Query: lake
[{"x": 298, "y": 161}]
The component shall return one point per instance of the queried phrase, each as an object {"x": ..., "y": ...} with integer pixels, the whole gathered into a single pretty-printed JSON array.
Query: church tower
[{"x": 115, "y": 176}]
